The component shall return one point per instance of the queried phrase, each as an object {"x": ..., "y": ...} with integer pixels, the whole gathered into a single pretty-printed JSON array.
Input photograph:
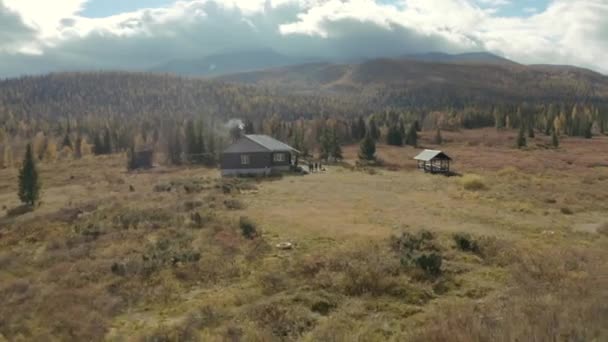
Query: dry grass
[{"x": 168, "y": 261}]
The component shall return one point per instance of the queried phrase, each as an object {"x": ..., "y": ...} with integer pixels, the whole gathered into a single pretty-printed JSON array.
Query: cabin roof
[
  {"x": 258, "y": 143},
  {"x": 428, "y": 155}
]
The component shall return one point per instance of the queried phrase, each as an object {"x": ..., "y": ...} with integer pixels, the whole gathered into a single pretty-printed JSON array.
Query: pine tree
[
  {"x": 29, "y": 184},
  {"x": 555, "y": 139},
  {"x": 66, "y": 141},
  {"x": 362, "y": 128},
  {"x": 530, "y": 132},
  {"x": 438, "y": 137},
  {"x": 98, "y": 147},
  {"x": 367, "y": 149},
  {"x": 107, "y": 141},
  {"x": 131, "y": 160},
  {"x": 394, "y": 136},
  {"x": 191, "y": 138},
  {"x": 589, "y": 131},
  {"x": 326, "y": 145},
  {"x": 374, "y": 131},
  {"x": 336, "y": 149},
  {"x": 412, "y": 136},
  {"x": 521, "y": 137},
  {"x": 174, "y": 148},
  {"x": 248, "y": 127}
]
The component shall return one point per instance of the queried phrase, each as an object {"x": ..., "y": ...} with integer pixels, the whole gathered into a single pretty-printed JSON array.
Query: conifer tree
[
  {"x": 336, "y": 149},
  {"x": 131, "y": 160},
  {"x": 402, "y": 131},
  {"x": 521, "y": 137},
  {"x": 412, "y": 136},
  {"x": 174, "y": 148},
  {"x": 394, "y": 136},
  {"x": 589, "y": 131},
  {"x": 554, "y": 139},
  {"x": 248, "y": 127},
  {"x": 107, "y": 141},
  {"x": 438, "y": 138},
  {"x": 367, "y": 149},
  {"x": 67, "y": 142},
  {"x": 362, "y": 129},
  {"x": 191, "y": 138},
  {"x": 326, "y": 144},
  {"x": 374, "y": 131},
  {"x": 530, "y": 132},
  {"x": 29, "y": 184}
]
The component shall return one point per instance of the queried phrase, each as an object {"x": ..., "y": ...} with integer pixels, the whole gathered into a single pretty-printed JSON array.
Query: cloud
[
  {"x": 567, "y": 32},
  {"x": 15, "y": 36}
]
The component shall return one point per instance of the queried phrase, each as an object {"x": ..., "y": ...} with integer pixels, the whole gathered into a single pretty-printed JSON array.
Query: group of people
[{"x": 315, "y": 167}]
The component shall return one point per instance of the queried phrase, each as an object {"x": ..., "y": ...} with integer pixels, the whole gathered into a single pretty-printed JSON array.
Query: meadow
[{"x": 514, "y": 248}]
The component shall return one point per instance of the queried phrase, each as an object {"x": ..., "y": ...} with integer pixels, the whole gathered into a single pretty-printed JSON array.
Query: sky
[{"x": 42, "y": 36}]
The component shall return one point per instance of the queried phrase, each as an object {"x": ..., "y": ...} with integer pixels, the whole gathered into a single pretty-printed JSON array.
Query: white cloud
[{"x": 567, "y": 32}]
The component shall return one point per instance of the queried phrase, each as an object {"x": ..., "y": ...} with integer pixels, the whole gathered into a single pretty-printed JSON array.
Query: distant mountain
[
  {"x": 231, "y": 62},
  {"x": 455, "y": 80},
  {"x": 474, "y": 57}
]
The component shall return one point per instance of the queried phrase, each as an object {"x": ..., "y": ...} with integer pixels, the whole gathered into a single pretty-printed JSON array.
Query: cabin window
[
  {"x": 279, "y": 157},
  {"x": 245, "y": 159}
]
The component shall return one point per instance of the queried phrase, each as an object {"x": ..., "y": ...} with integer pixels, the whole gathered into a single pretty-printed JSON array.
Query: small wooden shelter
[{"x": 433, "y": 161}]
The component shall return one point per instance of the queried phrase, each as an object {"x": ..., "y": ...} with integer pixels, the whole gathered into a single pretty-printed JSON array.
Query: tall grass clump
[{"x": 473, "y": 182}]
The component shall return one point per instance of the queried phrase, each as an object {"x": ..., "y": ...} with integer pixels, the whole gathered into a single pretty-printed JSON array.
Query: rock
[{"x": 285, "y": 245}]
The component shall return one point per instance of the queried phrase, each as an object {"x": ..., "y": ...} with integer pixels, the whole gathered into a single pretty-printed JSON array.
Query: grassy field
[{"x": 514, "y": 249}]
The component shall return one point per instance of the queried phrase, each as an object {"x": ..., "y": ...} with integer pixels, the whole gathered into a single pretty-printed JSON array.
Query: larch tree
[{"x": 29, "y": 184}]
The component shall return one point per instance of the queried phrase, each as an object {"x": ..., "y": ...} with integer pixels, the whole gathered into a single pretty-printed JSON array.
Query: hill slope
[{"x": 399, "y": 81}]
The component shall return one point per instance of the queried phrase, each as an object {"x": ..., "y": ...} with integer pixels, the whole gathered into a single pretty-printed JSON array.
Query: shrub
[
  {"x": 567, "y": 211},
  {"x": 233, "y": 204},
  {"x": 473, "y": 183},
  {"x": 419, "y": 250},
  {"x": 466, "y": 243},
  {"x": 248, "y": 228},
  {"x": 430, "y": 263}
]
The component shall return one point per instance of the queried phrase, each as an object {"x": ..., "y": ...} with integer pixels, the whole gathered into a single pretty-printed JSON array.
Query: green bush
[
  {"x": 248, "y": 228},
  {"x": 430, "y": 263},
  {"x": 233, "y": 204},
  {"x": 567, "y": 211},
  {"x": 466, "y": 243},
  {"x": 419, "y": 250}
]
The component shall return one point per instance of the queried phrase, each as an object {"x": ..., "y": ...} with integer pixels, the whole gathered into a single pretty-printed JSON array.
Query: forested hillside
[
  {"x": 414, "y": 83},
  {"x": 313, "y": 107}
]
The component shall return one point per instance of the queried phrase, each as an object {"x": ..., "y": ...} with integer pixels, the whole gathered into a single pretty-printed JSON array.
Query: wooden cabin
[
  {"x": 433, "y": 161},
  {"x": 257, "y": 155}
]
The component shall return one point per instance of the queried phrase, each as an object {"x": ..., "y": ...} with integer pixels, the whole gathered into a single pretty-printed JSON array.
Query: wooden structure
[
  {"x": 257, "y": 155},
  {"x": 433, "y": 161}
]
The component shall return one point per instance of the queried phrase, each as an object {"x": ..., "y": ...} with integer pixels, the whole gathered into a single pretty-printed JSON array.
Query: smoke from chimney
[{"x": 235, "y": 123}]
